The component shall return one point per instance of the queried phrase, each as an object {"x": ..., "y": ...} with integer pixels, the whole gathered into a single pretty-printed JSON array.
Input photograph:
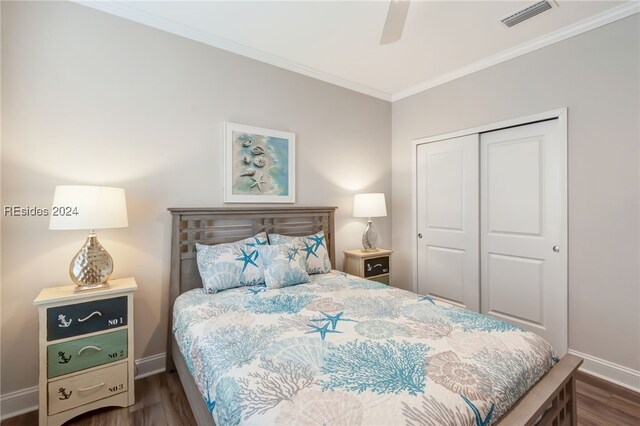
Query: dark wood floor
[{"x": 161, "y": 401}]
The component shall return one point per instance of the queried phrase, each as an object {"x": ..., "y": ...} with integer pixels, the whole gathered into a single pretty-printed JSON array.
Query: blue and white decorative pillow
[
  {"x": 230, "y": 265},
  {"x": 283, "y": 265},
  {"x": 312, "y": 247}
]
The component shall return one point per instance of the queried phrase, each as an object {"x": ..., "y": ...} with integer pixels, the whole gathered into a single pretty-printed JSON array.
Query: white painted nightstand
[
  {"x": 372, "y": 265},
  {"x": 86, "y": 350}
]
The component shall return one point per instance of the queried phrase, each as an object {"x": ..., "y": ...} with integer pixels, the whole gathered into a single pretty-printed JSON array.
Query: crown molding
[
  {"x": 142, "y": 17},
  {"x": 132, "y": 14},
  {"x": 606, "y": 17}
]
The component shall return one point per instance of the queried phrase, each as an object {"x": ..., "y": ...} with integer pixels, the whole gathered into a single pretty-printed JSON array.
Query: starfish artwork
[
  {"x": 309, "y": 249},
  {"x": 322, "y": 330},
  {"x": 318, "y": 240},
  {"x": 257, "y": 182},
  {"x": 247, "y": 258},
  {"x": 333, "y": 319}
]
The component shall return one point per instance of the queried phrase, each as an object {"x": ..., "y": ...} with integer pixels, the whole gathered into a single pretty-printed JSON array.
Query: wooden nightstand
[
  {"x": 86, "y": 350},
  {"x": 372, "y": 265}
]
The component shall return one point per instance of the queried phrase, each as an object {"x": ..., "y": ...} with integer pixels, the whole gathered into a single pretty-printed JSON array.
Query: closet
[{"x": 491, "y": 218}]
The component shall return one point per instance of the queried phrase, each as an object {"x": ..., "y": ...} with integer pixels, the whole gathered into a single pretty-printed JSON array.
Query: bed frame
[{"x": 551, "y": 401}]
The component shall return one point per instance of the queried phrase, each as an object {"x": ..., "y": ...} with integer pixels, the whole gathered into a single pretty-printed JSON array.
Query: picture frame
[{"x": 259, "y": 164}]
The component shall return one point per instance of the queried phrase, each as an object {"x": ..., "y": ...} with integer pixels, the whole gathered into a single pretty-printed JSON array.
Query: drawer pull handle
[
  {"x": 95, "y": 348},
  {"x": 91, "y": 387},
  {"x": 98, "y": 313}
]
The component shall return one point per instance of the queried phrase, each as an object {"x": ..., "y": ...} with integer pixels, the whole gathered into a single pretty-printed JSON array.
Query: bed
[{"x": 343, "y": 350}]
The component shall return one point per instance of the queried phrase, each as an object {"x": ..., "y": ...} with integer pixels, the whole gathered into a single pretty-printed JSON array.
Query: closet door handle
[
  {"x": 420, "y": 235},
  {"x": 556, "y": 249}
]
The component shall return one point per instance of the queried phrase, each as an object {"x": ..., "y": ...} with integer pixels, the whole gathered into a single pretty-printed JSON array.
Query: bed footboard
[{"x": 551, "y": 401}]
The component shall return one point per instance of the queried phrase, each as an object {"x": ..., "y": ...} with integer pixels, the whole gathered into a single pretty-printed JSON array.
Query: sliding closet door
[
  {"x": 447, "y": 219},
  {"x": 523, "y": 232}
]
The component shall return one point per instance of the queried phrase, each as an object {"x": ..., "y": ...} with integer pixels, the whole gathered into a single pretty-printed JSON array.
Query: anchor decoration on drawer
[
  {"x": 65, "y": 395},
  {"x": 65, "y": 359},
  {"x": 63, "y": 321}
]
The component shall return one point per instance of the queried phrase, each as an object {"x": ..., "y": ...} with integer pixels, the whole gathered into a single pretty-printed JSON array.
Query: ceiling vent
[{"x": 526, "y": 13}]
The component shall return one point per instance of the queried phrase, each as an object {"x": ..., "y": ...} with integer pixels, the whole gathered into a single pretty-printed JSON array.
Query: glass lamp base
[
  {"x": 92, "y": 265},
  {"x": 370, "y": 238},
  {"x": 80, "y": 288}
]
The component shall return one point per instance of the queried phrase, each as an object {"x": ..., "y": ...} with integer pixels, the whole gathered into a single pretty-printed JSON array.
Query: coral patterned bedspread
[{"x": 342, "y": 350}]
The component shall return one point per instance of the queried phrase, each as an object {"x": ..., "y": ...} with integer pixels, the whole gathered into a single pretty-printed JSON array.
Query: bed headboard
[{"x": 227, "y": 224}]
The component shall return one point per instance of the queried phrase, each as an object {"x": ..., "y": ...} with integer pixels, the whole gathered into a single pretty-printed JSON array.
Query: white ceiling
[{"x": 337, "y": 41}]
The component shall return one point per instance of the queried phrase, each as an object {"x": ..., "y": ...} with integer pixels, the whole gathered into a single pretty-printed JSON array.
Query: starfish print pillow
[
  {"x": 230, "y": 265},
  {"x": 313, "y": 248},
  {"x": 283, "y": 265}
]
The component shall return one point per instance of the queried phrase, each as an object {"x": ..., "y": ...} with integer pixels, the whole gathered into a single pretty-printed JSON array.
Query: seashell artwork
[
  {"x": 258, "y": 164},
  {"x": 246, "y": 140}
]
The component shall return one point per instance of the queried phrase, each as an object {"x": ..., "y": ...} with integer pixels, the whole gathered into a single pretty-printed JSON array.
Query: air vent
[{"x": 526, "y": 13}]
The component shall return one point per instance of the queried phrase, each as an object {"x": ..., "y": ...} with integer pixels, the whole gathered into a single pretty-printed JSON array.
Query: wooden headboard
[{"x": 227, "y": 224}]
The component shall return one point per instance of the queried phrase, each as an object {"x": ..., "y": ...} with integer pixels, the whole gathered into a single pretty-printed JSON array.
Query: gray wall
[
  {"x": 596, "y": 75},
  {"x": 89, "y": 98}
]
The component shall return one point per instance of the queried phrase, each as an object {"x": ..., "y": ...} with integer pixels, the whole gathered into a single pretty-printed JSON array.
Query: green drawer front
[
  {"x": 383, "y": 279},
  {"x": 79, "y": 354}
]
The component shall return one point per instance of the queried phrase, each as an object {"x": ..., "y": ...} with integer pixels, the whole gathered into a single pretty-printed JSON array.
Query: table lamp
[
  {"x": 369, "y": 205},
  {"x": 91, "y": 208}
]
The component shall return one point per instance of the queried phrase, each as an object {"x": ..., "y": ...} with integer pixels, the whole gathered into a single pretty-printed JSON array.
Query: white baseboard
[
  {"x": 609, "y": 371},
  {"x": 150, "y": 365},
  {"x": 19, "y": 402},
  {"x": 22, "y": 401}
]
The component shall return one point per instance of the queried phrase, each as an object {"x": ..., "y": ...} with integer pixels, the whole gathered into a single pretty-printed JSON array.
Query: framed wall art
[{"x": 259, "y": 165}]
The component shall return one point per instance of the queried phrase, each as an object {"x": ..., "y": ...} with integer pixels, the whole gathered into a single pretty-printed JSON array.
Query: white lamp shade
[
  {"x": 97, "y": 207},
  {"x": 369, "y": 205}
]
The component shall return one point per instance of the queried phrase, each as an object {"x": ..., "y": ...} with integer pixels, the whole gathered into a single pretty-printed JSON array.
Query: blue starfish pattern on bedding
[
  {"x": 322, "y": 330},
  {"x": 333, "y": 319},
  {"x": 230, "y": 265},
  {"x": 342, "y": 350},
  {"x": 281, "y": 268},
  {"x": 313, "y": 248},
  {"x": 247, "y": 258}
]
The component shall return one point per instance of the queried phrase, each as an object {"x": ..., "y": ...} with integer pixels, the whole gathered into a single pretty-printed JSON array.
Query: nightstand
[
  {"x": 372, "y": 265},
  {"x": 86, "y": 350}
]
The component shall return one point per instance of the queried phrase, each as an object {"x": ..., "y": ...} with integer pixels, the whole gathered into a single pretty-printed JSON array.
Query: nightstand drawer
[
  {"x": 383, "y": 279},
  {"x": 81, "y": 389},
  {"x": 376, "y": 266},
  {"x": 79, "y": 354},
  {"x": 89, "y": 317}
]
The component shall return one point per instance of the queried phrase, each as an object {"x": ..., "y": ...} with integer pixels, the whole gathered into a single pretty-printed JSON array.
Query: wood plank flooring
[
  {"x": 161, "y": 401},
  {"x": 601, "y": 403}
]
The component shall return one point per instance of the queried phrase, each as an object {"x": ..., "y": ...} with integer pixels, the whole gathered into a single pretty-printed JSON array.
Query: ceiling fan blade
[{"x": 394, "y": 24}]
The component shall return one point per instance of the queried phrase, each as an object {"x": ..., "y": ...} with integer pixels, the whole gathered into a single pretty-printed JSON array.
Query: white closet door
[
  {"x": 523, "y": 237},
  {"x": 447, "y": 215}
]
